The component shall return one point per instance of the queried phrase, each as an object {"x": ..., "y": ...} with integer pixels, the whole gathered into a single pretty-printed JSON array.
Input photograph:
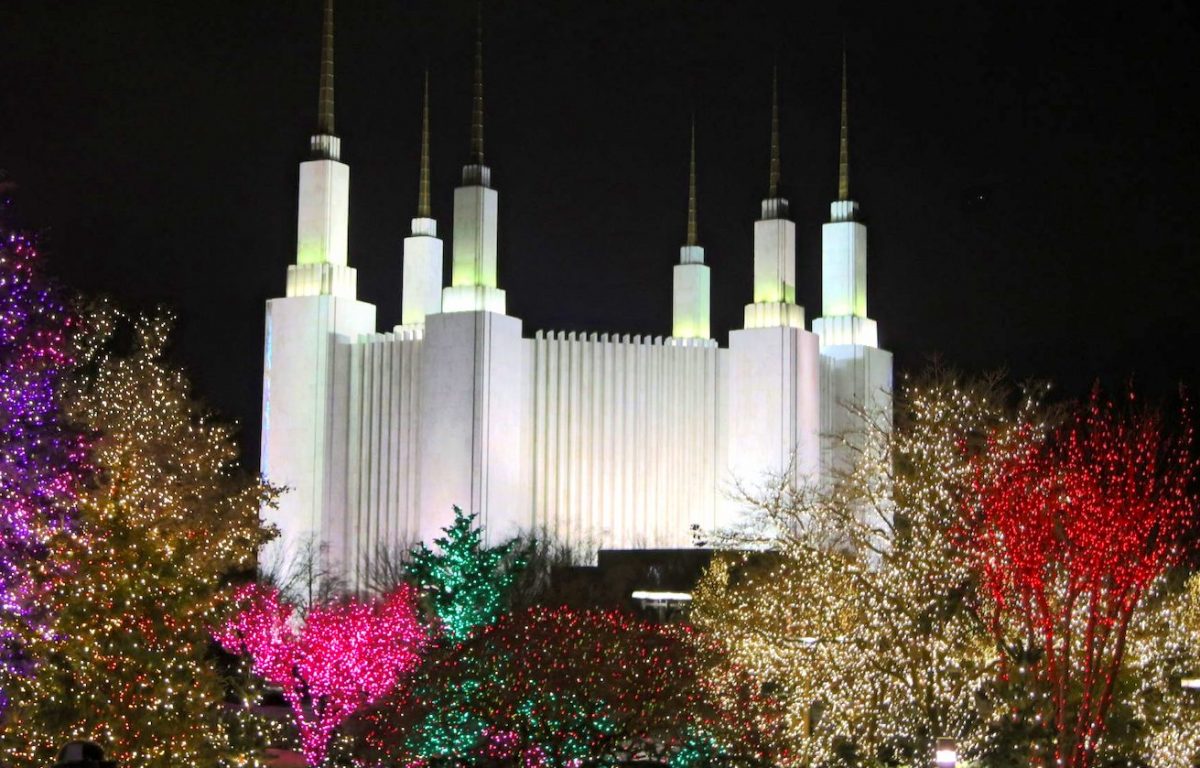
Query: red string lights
[{"x": 1068, "y": 536}]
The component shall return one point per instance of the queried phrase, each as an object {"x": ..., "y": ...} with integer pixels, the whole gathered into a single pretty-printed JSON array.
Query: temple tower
[
  {"x": 474, "y": 388},
  {"x": 423, "y": 248},
  {"x": 774, "y": 362},
  {"x": 690, "y": 306},
  {"x": 857, "y": 375},
  {"x": 319, "y": 307},
  {"x": 476, "y": 211}
]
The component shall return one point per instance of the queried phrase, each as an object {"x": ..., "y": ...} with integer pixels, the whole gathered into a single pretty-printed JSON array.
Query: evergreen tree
[
  {"x": 467, "y": 584},
  {"x": 127, "y": 660}
]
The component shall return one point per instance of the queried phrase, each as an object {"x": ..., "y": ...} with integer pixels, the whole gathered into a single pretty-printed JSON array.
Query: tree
[
  {"x": 1164, "y": 650},
  {"x": 331, "y": 662},
  {"x": 561, "y": 687},
  {"x": 858, "y": 616},
  {"x": 466, "y": 583},
  {"x": 163, "y": 521},
  {"x": 1069, "y": 535},
  {"x": 42, "y": 459}
]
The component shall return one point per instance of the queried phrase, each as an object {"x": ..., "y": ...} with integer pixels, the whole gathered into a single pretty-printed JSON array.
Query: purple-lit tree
[{"x": 41, "y": 458}]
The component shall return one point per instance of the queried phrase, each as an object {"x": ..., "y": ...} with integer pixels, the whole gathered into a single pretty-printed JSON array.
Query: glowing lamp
[
  {"x": 650, "y": 595},
  {"x": 1190, "y": 683},
  {"x": 946, "y": 753}
]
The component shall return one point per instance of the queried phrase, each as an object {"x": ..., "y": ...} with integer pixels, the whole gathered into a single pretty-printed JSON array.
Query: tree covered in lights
[
  {"x": 859, "y": 616},
  {"x": 331, "y": 661},
  {"x": 563, "y": 687},
  {"x": 1163, "y": 652},
  {"x": 466, "y": 584},
  {"x": 126, "y": 659},
  {"x": 41, "y": 457},
  {"x": 1070, "y": 537}
]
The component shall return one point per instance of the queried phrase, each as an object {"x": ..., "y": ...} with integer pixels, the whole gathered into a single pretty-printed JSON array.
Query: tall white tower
[
  {"x": 423, "y": 248},
  {"x": 320, "y": 305},
  {"x": 474, "y": 391},
  {"x": 690, "y": 305},
  {"x": 774, "y": 362},
  {"x": 473, "y": 283},
  {"x": 857, "y": 374}
]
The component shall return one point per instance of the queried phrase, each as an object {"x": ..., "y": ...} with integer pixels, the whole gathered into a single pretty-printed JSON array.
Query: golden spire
[
  {"x": 325, "y": 91},
  {"x": 691, "y": 223},
  {"x": 773, "y": 187},
  {"x": 477, "y": 93},
  {"x": 423, "y": 207},
  {"x": 844, "y": 145}
]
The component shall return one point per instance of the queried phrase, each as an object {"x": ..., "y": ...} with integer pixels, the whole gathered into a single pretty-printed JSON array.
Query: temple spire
[
  {"x": 773, "y": 186},
  {"x": 844, "y": 143},
  {"x": 325, "y": 91},
  {"x": 691, "y": 222},
  {"x": 423, "y": 204},
  {"x": 477, "y": 93}
]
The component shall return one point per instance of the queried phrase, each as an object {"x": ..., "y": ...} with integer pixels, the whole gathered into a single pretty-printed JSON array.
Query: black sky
[{"x": 1029, "y": 171}]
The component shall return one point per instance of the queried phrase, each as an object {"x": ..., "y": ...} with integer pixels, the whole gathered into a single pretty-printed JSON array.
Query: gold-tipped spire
[
  {"x": 423, "y": 205},
  {"x": 477, "y": 92},
  {"x": 325, "y": 91},
  {"x": 691, "y": 223},
  {"x": 773, "y": 186},
  {"x": 844, "y": 143}
]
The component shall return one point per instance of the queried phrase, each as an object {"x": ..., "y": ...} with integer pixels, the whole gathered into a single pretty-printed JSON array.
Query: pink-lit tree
[
  {"x": 331, "y": 662},
  {"x": 1068, "y": 536}
]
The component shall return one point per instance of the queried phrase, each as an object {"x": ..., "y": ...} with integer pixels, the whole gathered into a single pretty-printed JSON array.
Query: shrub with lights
[{"x": 562, "y": 687}]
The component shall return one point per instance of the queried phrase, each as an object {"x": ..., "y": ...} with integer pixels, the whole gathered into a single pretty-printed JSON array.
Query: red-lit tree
[
  {"x": 1067, "y": 536},
  {"x": 333, "y": 661}
]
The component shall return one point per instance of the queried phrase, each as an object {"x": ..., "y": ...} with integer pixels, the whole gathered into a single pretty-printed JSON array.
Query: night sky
[{"x": 1029, "y": 172}]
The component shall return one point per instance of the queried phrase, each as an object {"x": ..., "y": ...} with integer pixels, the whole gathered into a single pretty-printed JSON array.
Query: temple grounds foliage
[{"x": 992, "y": 568}]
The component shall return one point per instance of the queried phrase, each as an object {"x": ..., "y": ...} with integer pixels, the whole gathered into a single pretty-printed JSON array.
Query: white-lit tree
[{"x": 859, "y": 616}]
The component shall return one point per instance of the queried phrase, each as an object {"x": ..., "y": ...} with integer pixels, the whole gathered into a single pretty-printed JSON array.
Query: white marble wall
[
  {"x": 373, "y": 447},
  {"x": 627, "y": 442},
  {"x": 298, "y": 409}
]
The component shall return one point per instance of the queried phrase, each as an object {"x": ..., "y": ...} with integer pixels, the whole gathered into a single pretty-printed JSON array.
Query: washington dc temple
[{"x": 616, "y": 441}]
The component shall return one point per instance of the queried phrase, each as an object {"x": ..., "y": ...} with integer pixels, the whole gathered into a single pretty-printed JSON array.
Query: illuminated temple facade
[{"x": 612, "y": 441}]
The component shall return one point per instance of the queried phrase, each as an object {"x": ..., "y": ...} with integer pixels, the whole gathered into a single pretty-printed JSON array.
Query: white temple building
[{"x": 615, "y": 441}]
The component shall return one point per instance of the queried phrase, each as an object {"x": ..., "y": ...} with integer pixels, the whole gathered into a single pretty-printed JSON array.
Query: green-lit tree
[{"x": 466, "y": 584}]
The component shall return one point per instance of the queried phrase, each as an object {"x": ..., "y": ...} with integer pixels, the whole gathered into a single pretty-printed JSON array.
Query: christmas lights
[
  {"x": 1164, "y": 654},
  {"x": 858, "y": 617},
  {"x": 560, "y": 687},
  {"x": 1068, "y": 537},
  {"x": 126, "y": 658},
  {"x": 331, "y": 662},
  {"x": 41, "y": 458},
  {"x": 466, "y": 583}
]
